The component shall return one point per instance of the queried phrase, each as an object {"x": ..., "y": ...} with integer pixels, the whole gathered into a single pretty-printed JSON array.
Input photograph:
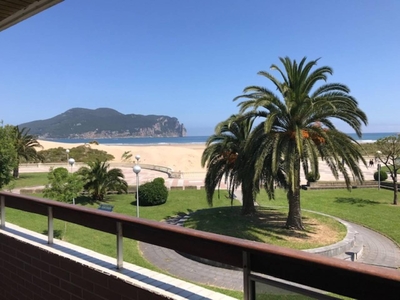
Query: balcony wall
[{"x": 31, "y": 272}]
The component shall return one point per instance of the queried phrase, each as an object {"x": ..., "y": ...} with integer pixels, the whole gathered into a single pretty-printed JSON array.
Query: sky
[{"x": 188, "y": 59}]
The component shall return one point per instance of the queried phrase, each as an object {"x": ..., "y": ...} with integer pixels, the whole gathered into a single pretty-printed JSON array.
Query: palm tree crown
[
  {"x": 297, "y": 128},
  {"x": 25, "y": 145},
  {"x": 223, "y": 155},
  {"x": 99, "y": 179}
]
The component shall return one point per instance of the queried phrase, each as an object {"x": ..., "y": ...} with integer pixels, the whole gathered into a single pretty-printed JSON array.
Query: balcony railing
[{"x": 258, "y": 261}]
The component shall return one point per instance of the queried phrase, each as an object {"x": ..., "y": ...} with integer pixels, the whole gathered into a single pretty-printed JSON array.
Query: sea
[{"x": 366, "y": 138}]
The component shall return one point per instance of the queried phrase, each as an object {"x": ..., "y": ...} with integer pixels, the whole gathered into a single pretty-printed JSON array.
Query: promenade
[{"x": 188, "y": 179}]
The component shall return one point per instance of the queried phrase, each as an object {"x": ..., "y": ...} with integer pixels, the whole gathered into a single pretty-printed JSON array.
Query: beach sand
[{"x": 180, "y": 157}]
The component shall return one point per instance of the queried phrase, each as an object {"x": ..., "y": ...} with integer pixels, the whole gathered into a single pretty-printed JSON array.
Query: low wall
[
  {"x": 340, "y": 185},
  {"x": 29, "y": 272}
]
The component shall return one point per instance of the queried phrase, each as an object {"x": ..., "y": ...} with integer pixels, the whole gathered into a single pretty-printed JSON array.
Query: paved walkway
[
  {"x": 194, "y": 179},
  {"x": 378, "y": 250}
]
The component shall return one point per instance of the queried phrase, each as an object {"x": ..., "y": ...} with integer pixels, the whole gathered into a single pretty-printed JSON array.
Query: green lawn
[
  {"x": 266, "y": 226},
  {"x": 27, "y": 180},
  {"x": 369, "y": 207}
]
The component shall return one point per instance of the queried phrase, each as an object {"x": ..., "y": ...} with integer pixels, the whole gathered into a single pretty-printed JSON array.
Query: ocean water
[
  {"x": 366, "y": 138},
  {"x": 371, "y": 137}
]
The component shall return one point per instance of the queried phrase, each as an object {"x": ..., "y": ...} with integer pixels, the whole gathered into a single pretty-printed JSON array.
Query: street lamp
[
  {"x": 137, "y": 158},
  {"x": 71, "y": 161},
  {"x": 378, "y": 154},
  {"x": 136, "y": 170},
  {"x": 67, "y": 151}
]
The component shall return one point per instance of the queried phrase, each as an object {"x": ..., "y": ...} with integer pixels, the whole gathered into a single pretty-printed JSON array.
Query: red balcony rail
[{"x": 329, "y": 274}]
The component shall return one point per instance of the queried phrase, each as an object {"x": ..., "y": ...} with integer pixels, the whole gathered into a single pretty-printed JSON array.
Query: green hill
[{"x": 105, "y": 123}]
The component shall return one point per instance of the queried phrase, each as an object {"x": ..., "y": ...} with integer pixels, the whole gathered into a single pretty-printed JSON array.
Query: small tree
[
  {"x": 389, "y": 155},
  {"x": 63, "y": 186},
  {"x": 8, "y": 154}
]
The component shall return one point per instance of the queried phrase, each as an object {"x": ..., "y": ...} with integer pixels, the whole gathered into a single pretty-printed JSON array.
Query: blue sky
[{"x": 189, "y": 59}]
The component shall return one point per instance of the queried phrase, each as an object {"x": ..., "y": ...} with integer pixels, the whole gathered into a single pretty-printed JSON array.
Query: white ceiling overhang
[{"x": 15, "y": 11}]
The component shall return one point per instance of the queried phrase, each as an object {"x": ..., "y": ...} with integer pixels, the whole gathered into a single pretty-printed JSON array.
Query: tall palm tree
[
  {"x": 223, "y": 156},
  {"x": 297, "y": 128},
  {"x": 99, "y": 179},
  {"x": 25, "y": 145}
]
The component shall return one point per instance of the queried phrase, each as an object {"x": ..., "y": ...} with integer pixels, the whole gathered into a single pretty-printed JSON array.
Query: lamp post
[
  {"x": 67, "y": 151},
  {"x": 378, "y": 154},
  {"x": 136, "y": 170},
  {"x": 379, "y": 176},
  {"x": 137, "y": 158},
  {"x": 71, "y": 161}
]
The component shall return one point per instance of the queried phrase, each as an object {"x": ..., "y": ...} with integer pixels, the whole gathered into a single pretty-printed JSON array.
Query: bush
[
  {"x": 80, "y": 153},
  {"x": 311, "y": 177},
  {"x": 383, "y": 176},
  {"x": 153, "y": 193}
]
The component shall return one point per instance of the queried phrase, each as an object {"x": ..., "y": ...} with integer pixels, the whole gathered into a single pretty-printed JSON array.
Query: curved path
[{"x": 377, "y": 250}]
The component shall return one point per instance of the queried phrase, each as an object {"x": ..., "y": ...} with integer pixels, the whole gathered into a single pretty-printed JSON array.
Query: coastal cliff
[{"x": 103, "y": 123}]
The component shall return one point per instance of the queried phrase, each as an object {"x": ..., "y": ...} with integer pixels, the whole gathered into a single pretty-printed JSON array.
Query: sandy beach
[{"x": 180, "y": 157}]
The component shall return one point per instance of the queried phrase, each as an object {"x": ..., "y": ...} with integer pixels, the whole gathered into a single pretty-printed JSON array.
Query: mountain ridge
[{"x": 105, "y": 123}]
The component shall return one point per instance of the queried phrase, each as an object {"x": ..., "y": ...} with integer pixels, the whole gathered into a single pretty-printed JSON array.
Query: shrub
[
  {"x": 383, "y": 175},
  {"x": 80, "y": 153},
  {"x": 153, "y": 193},
  {"x": 159, "y": 180},
  {"x": 311, "y": 177}
]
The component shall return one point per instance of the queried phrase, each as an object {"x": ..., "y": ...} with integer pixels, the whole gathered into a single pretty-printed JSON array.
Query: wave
[{"x": 198, "y": 140}]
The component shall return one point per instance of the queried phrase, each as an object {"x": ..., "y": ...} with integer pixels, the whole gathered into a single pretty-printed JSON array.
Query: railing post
[
  {"x": 248, "y": 287},
  {"x": 120, "y": 259},
  {"x": 50, "y": 228},
  {"x": 2, "y": 212}
]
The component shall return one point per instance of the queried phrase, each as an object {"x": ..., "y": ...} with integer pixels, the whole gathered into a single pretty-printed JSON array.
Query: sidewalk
[{"x": 377, "y": 250}]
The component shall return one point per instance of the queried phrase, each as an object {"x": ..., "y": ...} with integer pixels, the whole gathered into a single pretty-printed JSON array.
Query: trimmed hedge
[
  {"x": 383, "y": 176},
  {"x": 153, "y": 193}
]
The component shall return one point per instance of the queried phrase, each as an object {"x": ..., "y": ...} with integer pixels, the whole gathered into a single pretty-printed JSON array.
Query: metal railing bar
[
  {"x": 292, "y": 287},
  {"x": 50, "y": 227},
  {"x": 120, "y": 258},
  {"x": 2, "y": 212},
  {"x": 247, "y": 293}
]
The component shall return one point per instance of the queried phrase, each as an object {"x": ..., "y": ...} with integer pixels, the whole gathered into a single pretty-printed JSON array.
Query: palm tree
[
  {"x": 99, "y": 180},
  {"x": 223, "y": 156},
  {"x": 297, "y": 128},
  {"x": 25, "y": 145}
]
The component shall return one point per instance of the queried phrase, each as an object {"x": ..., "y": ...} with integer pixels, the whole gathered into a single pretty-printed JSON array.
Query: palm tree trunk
[
  {"x": 395, "y": 187},
  {"x": 16, "y": 172},
  {"x": 294, "y": 220},
  {"x": 247, "y": 201}
]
